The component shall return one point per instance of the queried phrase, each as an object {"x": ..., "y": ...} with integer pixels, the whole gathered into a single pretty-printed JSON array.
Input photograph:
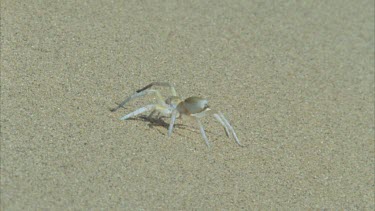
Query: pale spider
[{"x": 174, "y": 107}]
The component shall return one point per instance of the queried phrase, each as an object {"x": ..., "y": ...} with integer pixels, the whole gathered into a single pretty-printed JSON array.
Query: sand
[{"x": 295, "y": 79}]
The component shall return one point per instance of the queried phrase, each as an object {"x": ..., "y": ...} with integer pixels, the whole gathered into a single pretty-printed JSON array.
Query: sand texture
[{"x": 295, "y": 79}]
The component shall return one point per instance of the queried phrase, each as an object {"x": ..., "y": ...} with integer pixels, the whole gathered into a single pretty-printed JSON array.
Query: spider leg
[
  {"x": 223, "y": 124},
  {"x": 165, "y": 84},
  {"x": 140, "y": 94},
  {"x": 226, "y": 122},
  {"x": 201, "y": 128},
  {"x": 151, "y": 114},
  {"x": 139, "y": 111},
  {"x": 173, "y": 119},
  {"x": 157, "y": 111}
]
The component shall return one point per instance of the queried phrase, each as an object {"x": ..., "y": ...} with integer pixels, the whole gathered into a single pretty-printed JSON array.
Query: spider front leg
[
  {"x": 220, "y": 117},
  {"x": 201, "y": 128}
]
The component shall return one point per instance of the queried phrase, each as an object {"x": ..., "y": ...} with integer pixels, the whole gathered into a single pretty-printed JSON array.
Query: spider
[{"x": 174, "y": 107}]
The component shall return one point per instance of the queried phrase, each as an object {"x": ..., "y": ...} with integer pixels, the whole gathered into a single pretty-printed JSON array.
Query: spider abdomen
[{"x": 193, "y": 105}]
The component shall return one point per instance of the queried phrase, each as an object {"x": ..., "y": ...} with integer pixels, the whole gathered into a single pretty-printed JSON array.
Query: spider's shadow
[
  {"x": 159, "y": 122},
  {"x": 156, "y": 122}
]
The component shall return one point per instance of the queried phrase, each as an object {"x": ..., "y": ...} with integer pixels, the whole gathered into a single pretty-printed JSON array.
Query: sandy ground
[{"x": 296, "y": 80}]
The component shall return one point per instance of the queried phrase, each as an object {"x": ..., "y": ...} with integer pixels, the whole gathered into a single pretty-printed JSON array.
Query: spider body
[{"x": 174, "y": 106}]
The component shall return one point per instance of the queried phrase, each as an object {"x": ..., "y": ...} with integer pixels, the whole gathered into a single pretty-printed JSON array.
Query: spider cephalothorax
[{"x": 174, "y": 107}]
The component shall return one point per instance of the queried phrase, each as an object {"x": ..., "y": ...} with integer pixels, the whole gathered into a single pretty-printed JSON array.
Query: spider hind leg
[
  {"x": 165, "y": 84},
  {"x": 138, "y": 111},
  {"x": 140, "y": 94}
]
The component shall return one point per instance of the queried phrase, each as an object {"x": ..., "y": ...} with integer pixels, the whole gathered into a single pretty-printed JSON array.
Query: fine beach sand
[{"x": 296, "y": 80}]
